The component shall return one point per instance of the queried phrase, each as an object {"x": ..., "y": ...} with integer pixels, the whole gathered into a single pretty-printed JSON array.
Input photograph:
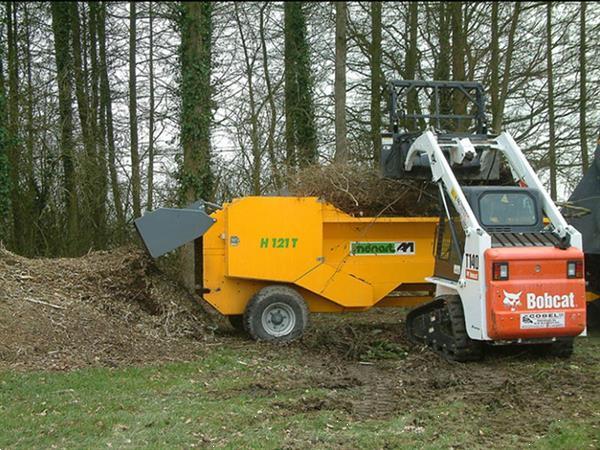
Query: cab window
[{"x": 507, "y": 209}]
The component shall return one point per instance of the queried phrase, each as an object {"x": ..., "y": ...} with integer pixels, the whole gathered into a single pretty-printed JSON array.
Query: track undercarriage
[{"x": 440, "y": 324}]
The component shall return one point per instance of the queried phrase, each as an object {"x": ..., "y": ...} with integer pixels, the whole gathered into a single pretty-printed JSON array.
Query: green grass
[{"x": 239, "y": 398}]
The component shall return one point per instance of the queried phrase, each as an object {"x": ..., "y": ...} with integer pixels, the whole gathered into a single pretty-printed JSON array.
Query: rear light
[
  {"x": 500, "y": 271},
  {"x": 574, "y": 269}
]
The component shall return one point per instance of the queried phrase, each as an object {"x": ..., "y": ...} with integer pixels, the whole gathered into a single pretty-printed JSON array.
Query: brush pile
[{"x": 360, "y": 191}]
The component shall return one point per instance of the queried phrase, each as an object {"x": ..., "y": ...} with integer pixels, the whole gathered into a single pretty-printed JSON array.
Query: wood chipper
[
  {"x": 499, "y": 266},
  {"x": 265, "y": 262}
]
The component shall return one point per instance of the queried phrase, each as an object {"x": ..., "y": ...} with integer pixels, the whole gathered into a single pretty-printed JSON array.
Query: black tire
[
  {"x": 466, "y": 349},
  {"x": 562, "y": 348},
  {"x": 276, "y": 314},
  {"x": 593, "y": 315},
  {"x": 237, "y": 321}
]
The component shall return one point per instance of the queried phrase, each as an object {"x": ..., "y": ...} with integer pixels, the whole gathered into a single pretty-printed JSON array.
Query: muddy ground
[{"x": 117, "y": 309}]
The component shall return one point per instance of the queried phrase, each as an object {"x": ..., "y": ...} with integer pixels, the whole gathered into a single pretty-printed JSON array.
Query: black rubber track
[{"x": 440, "y": 324}]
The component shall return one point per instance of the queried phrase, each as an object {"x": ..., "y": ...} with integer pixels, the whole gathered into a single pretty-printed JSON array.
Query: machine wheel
[
  {"x": 593, "y": 315},
  {"x": 237, "y": 321},
  {"x": 277, "y": 314},
  {"x": 440, "y": 324},
  {"x": 562, "y": 348}
]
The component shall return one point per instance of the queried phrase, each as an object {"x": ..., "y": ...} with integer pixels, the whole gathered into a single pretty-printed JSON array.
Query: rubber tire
[
  {"x": 467, "y": 349},
  {"x": 593, "y": 315},
  {"x": 562, "y": 348},
  {"x": 237, "y": 322},
  {"x": 266, "y": 297}
]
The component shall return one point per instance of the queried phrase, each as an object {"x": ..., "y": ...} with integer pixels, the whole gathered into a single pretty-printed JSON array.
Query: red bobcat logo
[{"x": 512, "y": 300}]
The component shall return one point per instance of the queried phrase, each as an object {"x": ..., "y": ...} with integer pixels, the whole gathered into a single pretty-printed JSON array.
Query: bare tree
[
  {"x": 551, "y": 118},
  {"x": 376, "y": 83},
  {"x": 133, "y": 123},
  {"x": 583, "y": 89},
  {"x": 341, "y": 146}
]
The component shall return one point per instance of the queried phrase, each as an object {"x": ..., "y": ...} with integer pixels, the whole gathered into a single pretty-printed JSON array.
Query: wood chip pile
[{"x": 106, "y": 308}]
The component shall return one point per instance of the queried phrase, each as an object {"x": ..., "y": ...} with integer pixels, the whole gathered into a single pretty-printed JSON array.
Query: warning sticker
[{"x": 543, "y": 320}]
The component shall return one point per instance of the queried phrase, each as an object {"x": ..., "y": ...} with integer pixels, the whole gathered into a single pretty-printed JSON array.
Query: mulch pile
[
  {"x": 361, "y": 191},
  {"x": 108, "y": 308}
]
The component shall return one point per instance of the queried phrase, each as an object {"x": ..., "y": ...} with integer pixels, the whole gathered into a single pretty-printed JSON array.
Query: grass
[{"x": 243, "y": 398}]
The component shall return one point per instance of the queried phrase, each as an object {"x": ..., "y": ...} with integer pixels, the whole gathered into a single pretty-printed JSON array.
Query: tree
[
  {"x": 583, "y": 89},
  {"x": 551, "y": 116},
  {"x": 376, "y": 87},
  {"x": 107, "y": 121},
  {"x": 301, "y": 136},
  {"x": 14, "y": 147},
  {"x": 444, "y": 56},
  {"x": 151, "y": 125},
  {"x": 499, "y": 89},
  {"x": 341, "y": 145},
  {"x": 133, "y": 124},
  {"x": 61, "y": 26},
  {"x": 458, "y": 59},
  {"x": 411, "y": 63},
  {"x": 94, "y": 178},
  {"x": 4, "y": 167},
  {"x": 256, "y": 148},
  {"x": 196, "y": 113}
]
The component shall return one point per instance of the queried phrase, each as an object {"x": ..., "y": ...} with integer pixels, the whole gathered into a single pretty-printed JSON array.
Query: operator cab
[
  {"x": 506, "y": 209},
  {"x": 512, "y": 215}
]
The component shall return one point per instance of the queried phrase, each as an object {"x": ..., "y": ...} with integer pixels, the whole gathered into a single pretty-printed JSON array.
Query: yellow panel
[
  {"x": 273, "y": 238},
  {"x": 337, "y": 286},
  {"x": 384, "y": 272},
  {"x": 591, "y": 296}
]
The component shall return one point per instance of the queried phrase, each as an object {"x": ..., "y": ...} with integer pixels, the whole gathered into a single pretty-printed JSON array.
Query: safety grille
[{"x": 541, "y": 239}]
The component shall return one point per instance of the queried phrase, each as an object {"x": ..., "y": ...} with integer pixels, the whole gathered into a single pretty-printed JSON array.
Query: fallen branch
[{"x": 39, "y": 302}]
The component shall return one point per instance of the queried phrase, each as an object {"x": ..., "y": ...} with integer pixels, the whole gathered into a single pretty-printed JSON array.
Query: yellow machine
[
  {"x": 336, "y": 262},
  {"x": 312, "y": 255}
]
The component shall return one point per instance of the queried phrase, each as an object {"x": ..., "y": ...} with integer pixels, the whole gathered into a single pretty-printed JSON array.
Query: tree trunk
[
  {"x": 376, "y": 80},
  {"x": 306, "y": 130},
  {"x": 88, "y": 183},
  {"x": 135, "y": 157},
  {"x": 442, "y": 64},
  {"x": 4, "y": 165},
  {"x": 61, "y": 25},
  {"x": 500, "y": 92},
  {"x": 31, "y": 208},
  {"x": 495, "y": 69},
  {"x": 196, "y": 114},
  {"x": 301, "y": 135},
  {"x": 341, "y": 144},
  {"x": 583, "y": 89},
  {"x": 256, "y": 169},
  {"x": 271, "y": 99},
  {"x": 100, "y": 174},
  {"x": 14, "y": 152},
  {"x": 458, "y": 61},
  {"x": 411, "y": 63},
  {"x": 551, "y": 121},
  {"x": 291, "y": 97},
  {"x": 106, "y": 112},
  {"x": 150, "y": 188}
]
